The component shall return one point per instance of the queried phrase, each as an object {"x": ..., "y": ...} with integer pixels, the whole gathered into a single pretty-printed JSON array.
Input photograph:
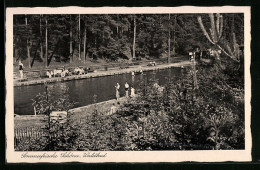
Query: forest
[{"x": 70, "y": 38}]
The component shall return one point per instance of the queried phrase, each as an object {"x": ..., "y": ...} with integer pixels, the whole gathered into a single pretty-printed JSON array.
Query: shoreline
[{"x": 100, "y": 73}]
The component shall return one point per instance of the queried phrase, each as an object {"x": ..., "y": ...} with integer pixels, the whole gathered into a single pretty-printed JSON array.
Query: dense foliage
[
  {"x": 55, "y": 98},
  {"x": 111, "y": 36}
]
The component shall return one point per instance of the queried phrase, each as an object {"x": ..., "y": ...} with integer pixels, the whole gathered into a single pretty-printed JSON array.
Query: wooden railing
[{"x": 27, "y": 134}]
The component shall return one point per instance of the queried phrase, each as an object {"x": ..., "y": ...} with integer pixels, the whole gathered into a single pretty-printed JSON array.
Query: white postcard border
[{"x": 125, "y": 156}]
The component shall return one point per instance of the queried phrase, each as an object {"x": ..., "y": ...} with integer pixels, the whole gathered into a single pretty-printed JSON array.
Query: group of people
[
  {"x": 132, "y": 91},
  {"x": 79, "y": 71},
  {"x": 152, "y": 63},
  {"x": 197, "y": 54},
  {"x": 64, "y": 72},
  {"x": 137, "y": 72},
  {"x": 53, "y": 73},
  {"x": 113, "y": 108}
]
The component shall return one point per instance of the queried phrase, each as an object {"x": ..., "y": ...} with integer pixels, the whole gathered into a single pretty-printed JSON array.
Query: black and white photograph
[{"x": 128, "y": 84}]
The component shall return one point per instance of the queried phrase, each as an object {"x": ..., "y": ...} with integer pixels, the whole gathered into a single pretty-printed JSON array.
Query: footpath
[{"x": 100, "y": 73}]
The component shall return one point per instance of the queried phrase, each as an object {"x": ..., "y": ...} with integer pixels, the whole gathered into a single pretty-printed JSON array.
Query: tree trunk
[
  {"x": 169, "y": 40},
  {"x": 71, "y": 48},
  {"x": 14, "y": 55},
  {"x": 79, "y": 39},
  {"x": 195, "y": 81},
  {"x": 117, "y": 29},
  {"x": 41, "y": 43},
  {"x": 85, "y": 40},
  {"x": 233, "y": 23},
  {"x": 134, "y": 38},
  {"x": 27, "y": 44},
  {"x": 46, "y": 41},
  {"x": 174, "y": 36},
  {"x": 216, "y": 140}
]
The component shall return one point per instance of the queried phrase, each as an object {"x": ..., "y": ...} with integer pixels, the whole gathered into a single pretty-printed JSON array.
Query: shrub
[
  {"x": 209, "y": 116},
  {"x": 56, "y": 135}
]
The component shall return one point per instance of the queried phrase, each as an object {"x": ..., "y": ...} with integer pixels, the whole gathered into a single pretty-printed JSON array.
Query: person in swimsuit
[
  {"x": 117, "y": 91},
  {"x": 132, "y": 92},
  {"x": 126, "y": 89}
]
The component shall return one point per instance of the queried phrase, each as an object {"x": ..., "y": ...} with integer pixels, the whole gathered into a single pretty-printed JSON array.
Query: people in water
[{"x": 137, "y": 72}]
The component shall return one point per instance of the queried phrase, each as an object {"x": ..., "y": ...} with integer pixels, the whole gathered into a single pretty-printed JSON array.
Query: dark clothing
[{"x": 20, "y": 67}]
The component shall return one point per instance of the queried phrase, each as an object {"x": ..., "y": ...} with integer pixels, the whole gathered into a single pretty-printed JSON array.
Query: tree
[
  {"x": 134, "y": 37},
  {"x": 28, "y": 42},
  {"x": 215, "y": 36},
  {"x": 169, "y": 40},
  {"x": 41, "y": 39},
  {"x": 85, "y": 39},
  {"x": 71, "y": 48},
  {"x": 174, "y": 35},
  {"x": 79, "y": 38},
  {"x": 46, "y": 41}
]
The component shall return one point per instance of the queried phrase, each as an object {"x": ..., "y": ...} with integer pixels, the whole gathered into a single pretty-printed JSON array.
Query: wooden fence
[{"x": 26, "y": 134}]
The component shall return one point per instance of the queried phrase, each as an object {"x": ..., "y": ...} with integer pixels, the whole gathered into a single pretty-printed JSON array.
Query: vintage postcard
[{"x": 120, "y": 84}]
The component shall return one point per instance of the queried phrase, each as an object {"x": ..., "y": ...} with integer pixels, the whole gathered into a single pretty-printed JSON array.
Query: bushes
[
  {"x": 209, "y": 116},
  {"x": 55, "y": 98},
  {"x": 55, "y": 135}
]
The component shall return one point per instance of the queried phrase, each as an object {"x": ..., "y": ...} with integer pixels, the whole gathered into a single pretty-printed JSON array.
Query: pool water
[{"x": 82, "y": 91}]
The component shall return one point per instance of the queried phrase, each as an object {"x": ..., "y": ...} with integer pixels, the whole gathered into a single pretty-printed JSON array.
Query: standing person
[
  {"x": 126, "y": 89},
  {"x": 190, "y": 55},
  {"x": 48, "y": 74},
  {"x": 117, "y": 91},
  {"x": 132, "y": 92},
  {"x": 112, "y": 109},
  {"x": 21, "y": 69}
]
